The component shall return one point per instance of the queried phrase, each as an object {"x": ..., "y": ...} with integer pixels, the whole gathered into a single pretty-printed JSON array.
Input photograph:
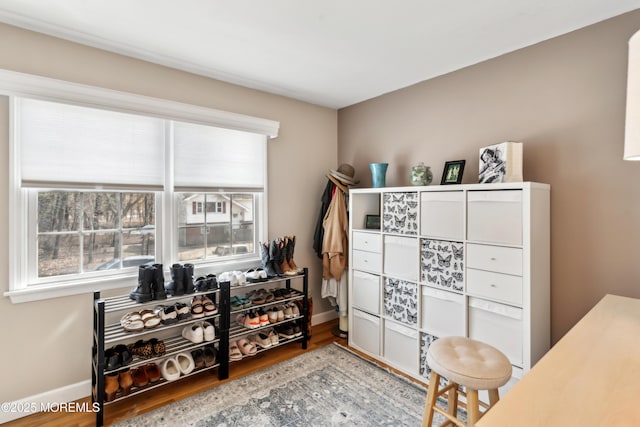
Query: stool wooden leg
[
  {"x": 432, "y": 395},
  {"x": 473, "y": 407},
  {"x": 452, "y": 402},
  {"x": 494, "y": 396}
]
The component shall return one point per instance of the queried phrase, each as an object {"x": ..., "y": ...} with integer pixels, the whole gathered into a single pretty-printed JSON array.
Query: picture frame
[
  {"x": 372, "y": 222},
  {"x": 452, "y": 173}
]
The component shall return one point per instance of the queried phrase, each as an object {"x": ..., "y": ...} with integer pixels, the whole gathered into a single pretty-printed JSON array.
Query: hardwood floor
[{"x": 180, "y": 389}]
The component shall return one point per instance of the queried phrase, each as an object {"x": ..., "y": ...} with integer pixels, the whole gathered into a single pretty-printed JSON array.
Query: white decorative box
[{"x": 501, "y": 163}]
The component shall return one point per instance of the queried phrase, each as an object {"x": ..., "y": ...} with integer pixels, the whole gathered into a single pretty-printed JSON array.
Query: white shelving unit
[{"x": 467, "y": 260}]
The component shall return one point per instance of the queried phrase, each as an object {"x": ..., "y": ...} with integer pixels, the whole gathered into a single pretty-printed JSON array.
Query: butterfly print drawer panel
[
  {"x": 401, "y": 300},
  {"x": 400, "y": 213},
  {"x": 442, "y": 264}
]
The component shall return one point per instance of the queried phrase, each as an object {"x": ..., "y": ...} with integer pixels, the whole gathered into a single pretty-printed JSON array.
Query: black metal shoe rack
[{"x": 108, "y": 332}]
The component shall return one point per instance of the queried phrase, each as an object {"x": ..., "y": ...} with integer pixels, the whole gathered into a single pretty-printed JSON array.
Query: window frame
[{"x": 14, "y": 85}]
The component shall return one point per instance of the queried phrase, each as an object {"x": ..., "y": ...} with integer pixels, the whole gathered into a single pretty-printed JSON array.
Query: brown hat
[{"x": 345, "y": 174}]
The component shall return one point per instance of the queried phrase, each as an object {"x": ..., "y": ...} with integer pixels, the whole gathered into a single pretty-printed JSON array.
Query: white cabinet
[{"x": 467, "y": 260}]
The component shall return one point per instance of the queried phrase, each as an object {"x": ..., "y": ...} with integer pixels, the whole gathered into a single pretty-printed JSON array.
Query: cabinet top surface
[{"x": 458, "y": 187}]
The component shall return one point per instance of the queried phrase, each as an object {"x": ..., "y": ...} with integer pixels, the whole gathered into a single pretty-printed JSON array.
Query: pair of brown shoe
[
  {"x": 123, "y": 381},
  {"x": 143, "y": 375}
]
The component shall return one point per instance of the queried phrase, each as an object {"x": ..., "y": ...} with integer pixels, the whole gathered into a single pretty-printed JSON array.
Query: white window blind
[
  {"x": 64, "y": 145},
  {"x": 210, "y": 158}
]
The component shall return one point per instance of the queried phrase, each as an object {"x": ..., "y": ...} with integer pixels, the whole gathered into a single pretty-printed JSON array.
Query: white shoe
[
  {"x": 208, "y": 331},
  {"x": 240, "y": 277},
  {"x": 193, "y": 333},
  {"x": 169, "y": 369},
  {"x": 295, "y": 310},
  {"x": 185, "y": 363}
]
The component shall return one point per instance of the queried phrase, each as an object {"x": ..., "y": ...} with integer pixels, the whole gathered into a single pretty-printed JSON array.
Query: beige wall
[
  {"x": 565, "y": 99},
  {"x": 47, "y": 344}
]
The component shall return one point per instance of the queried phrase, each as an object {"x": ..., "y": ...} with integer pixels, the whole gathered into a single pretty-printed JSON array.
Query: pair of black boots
[
  {"x": 150, "y": 284},
  {"x": 181, "y": 280},
  {"x": 277, "y": 257}
]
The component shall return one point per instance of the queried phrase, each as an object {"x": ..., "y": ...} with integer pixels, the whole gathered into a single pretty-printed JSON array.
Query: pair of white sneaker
[
  {"x": 199, "y": 331},
  {"x": 180, "y": 364},
  {"x": 235, "y": 278}
]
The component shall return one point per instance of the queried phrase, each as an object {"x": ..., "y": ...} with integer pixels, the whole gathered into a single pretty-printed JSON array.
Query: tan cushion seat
[{"x": 469, "y": 363}]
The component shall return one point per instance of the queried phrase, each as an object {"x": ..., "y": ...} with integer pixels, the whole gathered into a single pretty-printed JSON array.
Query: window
[{"x": 98, "y": 192}]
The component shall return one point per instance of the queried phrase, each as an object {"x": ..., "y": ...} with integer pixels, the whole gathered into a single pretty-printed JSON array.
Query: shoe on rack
[
  {"x": 253, "y": 276},
  {"x": 187, "y": 278},
  {"x": 198, "y": 358},
  {"x": 193, "y": 333},
  {"x": 157, "y": 347},
  {"x": 197, "y": 310},
  {"x": 212, "y": 282},
  {"x": 295, "y": 310},
  {"x": 264, "y": 317},
  {"x": 183, "y": 311},
  {"x": 286, "y": 331},
  {"x": 208, "y": 331},
  {"x": 246, "y": 347},
  {"x": 111, "y": 385},
  {"x": 251, "y": 320},
  {"x": 157, "y": 282},
  {"x": 185, "y": 363},
  {"x": 176, "y": 286},
  {"x": 142, "y": 349},
  {"x": 267, "y": 263},
  {"x": 149, "y": 318},
  {"x": 234, "y": 352},
  {"x": 169, "y": 369},
  {"x": 272, "y": 315},
  {"x": 288, "y": 312},
  {"x": 201, "y": 284},
  {"x": 273, "y": 336},
  {"x": 167, "y": 314},
  {"x": 140, "y": 378},
  {"x": 153, "y": 372},
  {"x": 210, "y": 308},
  {"x": 142, "y": 292},
  {"x": 296, "y": 330},
  {"x": 125, "y": 380},
  {"x": 209, "y": 355},
  {"x": 260, "y": 339}
]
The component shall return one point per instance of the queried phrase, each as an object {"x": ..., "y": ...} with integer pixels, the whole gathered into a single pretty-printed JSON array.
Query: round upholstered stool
[{"x": 468, "y": 363}]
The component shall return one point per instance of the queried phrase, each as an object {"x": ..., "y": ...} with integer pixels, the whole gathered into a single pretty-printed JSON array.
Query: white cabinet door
[
  {"x": 442, "y": 214},
  {"x": 495, "y": 216}
]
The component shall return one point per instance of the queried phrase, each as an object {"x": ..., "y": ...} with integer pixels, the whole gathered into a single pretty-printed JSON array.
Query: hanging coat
[
  {"x": 318, "y": 235},
  {"x": 335, "y": 240}
]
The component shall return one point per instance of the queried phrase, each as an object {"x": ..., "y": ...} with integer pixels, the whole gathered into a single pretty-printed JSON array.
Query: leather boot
[
  {"x": 111, "y": 386},
  {"x": 291, "y": 243},
  {"x": 176, "y": 286},
  {"x": 126, "y": 381},
  {"x": 142, "y": 292},
  {"x": 267, "y": 264},
  {"x": 274, "y": 256},
  {"x": 188, "y": 279},
  {"x": 282, "y": 261},
  {"x": 140, "y": 378},
  {"x": 157, "y": 282}
]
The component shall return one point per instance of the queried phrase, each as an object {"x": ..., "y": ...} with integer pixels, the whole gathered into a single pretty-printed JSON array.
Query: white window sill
[{"x": 44, "y": 292}]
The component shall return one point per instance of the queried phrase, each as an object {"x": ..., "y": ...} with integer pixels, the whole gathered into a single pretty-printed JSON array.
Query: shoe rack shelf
[{"x": 107, "y": 331}]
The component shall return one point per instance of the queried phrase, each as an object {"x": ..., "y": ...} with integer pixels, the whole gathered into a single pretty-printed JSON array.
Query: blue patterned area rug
[{"x": 330, "y": 386}]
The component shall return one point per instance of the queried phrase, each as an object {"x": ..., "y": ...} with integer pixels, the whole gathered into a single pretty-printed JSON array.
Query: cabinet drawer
[
  {"x": 366, "y": 292},
  {"x": 495, "y": 216},
  {"x": 498, "y": 325},
  {"x": 367, "y": 241},
  {"x": 495, "y": 286},
  {"x": 368, "y": 261},
  {"x": 442, "y": 214},
  {"x": 366, "y": 332},
  {"x": 401, "y": 346},
  {"x": 442, "y": 312},
  {"x": 401, "y": 257},
  {"x": 495, "y": 258}
]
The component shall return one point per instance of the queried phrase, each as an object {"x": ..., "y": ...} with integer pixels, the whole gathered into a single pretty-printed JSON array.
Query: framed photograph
[
  {"x": 501, "y": 163},
  {"x": 452, "y": 173},
  {"x": 372, "y": 222}
]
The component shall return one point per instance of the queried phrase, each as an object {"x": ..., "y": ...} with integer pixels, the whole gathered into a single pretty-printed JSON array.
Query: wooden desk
[{"x": 591, "y": 377}]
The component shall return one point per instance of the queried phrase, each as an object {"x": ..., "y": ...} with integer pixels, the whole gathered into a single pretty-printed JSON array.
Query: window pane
[
  {"x": 100, "y": 251},
  {"x": 191, "y": 243},
  {"x": 58, "y": 211},
  {"x": 101, "y": 211},
  {"x": 58, "y": 254},
  {"x": 219, "y": 240}
]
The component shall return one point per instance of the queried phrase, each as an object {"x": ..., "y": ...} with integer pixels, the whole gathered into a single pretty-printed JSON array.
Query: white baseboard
[
  {"x": 29, "y": 405},
  {"x": 319, "y": 318},
  {"x": 53, "y": 398}
]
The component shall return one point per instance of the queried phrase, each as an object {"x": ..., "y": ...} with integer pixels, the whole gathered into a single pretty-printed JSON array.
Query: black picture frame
[
  {"x": 452, "y": 173},
  {"x": 372, "y": 222}
]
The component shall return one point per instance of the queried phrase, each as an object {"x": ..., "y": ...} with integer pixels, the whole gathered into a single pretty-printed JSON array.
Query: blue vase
[{"x": 378, "y": 174}]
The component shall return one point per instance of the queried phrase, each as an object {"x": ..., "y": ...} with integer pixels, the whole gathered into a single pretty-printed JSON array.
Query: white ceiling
[{"x": 332, "y": 53}]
